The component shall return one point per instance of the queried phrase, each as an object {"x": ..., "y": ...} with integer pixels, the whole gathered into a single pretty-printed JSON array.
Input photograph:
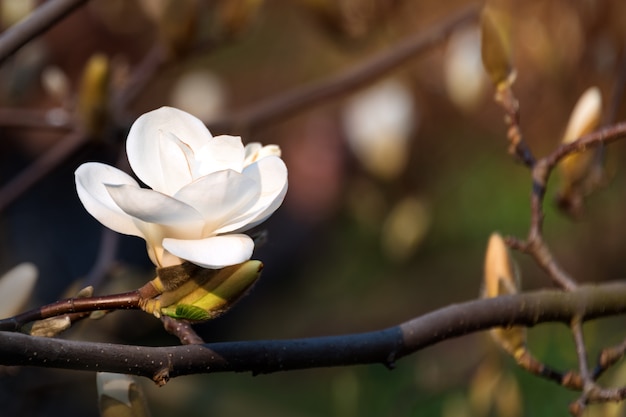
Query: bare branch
[
  {"x": 383, "y": 346},
  {"x": 40, "y": 20},
  {"x": 128, "y": 301},
  {"x": 181, "y": 329},
  {"x": 37, "y": 119}
]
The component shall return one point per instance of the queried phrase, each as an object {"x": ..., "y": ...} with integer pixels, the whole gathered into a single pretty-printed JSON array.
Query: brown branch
[
  {"x": 40, "y": 168},
  {"x": 36, "y": 119},
  {"x": 181, "y": 329},
  {"x": 530, "y": 364},
  {"x": 383, "y": 346},
  {"x": 127, "y": 301},
  {"x": 304, "y": 97},
  {"x": 605, "y": 135},
  {"x": 541, "y": 170},
  {"x": 578, "y": 407},
  {"x": 40, "y": 20},
  {"x": 261, "y": 114},
  {"x": 517, "y": 146}
]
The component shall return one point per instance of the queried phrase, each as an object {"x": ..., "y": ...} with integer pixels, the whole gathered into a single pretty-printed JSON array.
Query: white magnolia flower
[{"x": 205, "y": 190}]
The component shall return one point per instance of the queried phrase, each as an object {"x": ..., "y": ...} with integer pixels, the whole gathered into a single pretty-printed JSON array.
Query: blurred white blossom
[
  {"x": 120, "y": 395},
  {"x": 199, "y": 92},
  {"x": 405, "y": 228},
  {"x": 465, "y": 77},
  {"x": 16, "y": 287},
  {"x": 13, "y": 11},
  {"x": 378, "y": 124},
  {"x": 205, "y": 190}
]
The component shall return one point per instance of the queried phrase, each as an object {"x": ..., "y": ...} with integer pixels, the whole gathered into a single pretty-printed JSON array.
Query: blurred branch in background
[
  {"x": 41, "y": 19},
  {"x": 357, "y": 76},
  {"x": 266, "y": 112}
]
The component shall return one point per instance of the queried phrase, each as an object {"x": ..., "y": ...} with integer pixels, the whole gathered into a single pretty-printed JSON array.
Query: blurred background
[{"x": 394, "y": 189}]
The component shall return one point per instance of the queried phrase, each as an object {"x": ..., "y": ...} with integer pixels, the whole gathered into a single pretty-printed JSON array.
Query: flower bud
[
  {"x": 50, "y": 327},
  {"x": 579, "y": 175},
  {"x": 496, "y": 46},
  {"x": 119, "y": 395},
  {"x": 93, "y": 96},
  {"x": 206, "y": 293},
  {"x": 501, "y": 279},
  {"x": 16, "y": 286},
  {"x": 584, "y": 119}
]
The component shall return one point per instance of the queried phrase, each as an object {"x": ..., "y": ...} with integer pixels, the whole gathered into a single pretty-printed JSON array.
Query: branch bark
[
  {"x": 40, "y": 20},
  {"x": 266, "y": 356}
]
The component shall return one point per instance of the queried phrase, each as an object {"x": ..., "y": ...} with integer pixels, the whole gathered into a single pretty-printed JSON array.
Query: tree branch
[
  {"x": 266, "y": 356},
  {"x": 41, "y": 167},
  {"x": 301, "y": 98},
  {"x": 40, "y": 20}
]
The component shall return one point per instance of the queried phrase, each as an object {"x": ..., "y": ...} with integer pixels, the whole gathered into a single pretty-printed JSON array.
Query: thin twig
[
  {"x": 517, "y": 146},
  {"x": 36, "y": 119},
  {"x": 578, "y": 407},
  {"x": 535, "y": 245},
  {"x": 126, "y": 301},
  {"x": 181, "y": 329},
  {"x": 530, "y": 364},
  {"x": 608, "y": 357},
  {"x": 40, "y": 20}
]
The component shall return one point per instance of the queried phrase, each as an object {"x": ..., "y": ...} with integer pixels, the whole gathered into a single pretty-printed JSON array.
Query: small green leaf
[{"x": 188, "y": 312}]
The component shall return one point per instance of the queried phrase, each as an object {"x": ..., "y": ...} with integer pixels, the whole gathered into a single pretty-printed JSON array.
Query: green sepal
[{"x": 187, "y": 312}]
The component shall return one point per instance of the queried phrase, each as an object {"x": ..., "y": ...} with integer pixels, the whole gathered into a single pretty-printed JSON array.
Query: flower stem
[{"x": 125, "y": 301}]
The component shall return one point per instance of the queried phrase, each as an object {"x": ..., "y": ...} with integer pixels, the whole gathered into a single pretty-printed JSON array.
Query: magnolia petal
[
  {"x": 220, "y": 153},
  {"x": 213, "y": 252},
  {"x": 261, "y": 216},
  {"x": 255, "y": 151},
  {"x": 146, "y": 136},
  {"x": 153, "y": 207},
  {"x": 90, "y": 178},
  {"x": 271, "y": 173},
  {"x": 176, "y": 161},
  {"x": 250, "y": 152},
  {"x": 220, "y": 196}
]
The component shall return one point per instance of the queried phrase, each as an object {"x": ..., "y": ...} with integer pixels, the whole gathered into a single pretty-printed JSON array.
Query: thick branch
[
  {"x": 383, "y": 346},
  {"x": 40, "y": 20}
]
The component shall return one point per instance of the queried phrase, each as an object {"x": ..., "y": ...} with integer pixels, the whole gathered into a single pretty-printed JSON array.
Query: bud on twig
[
  {"x": 496, "y": 46},
  {"x": 205, "y": 293},
  {"x": 93, "y": 96},
  {"x": 501, "y": 279},
  {"x": 119, "y": 395},
  {"x": 16, "y": 287},
  {"x": 576, "y": 168}
]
